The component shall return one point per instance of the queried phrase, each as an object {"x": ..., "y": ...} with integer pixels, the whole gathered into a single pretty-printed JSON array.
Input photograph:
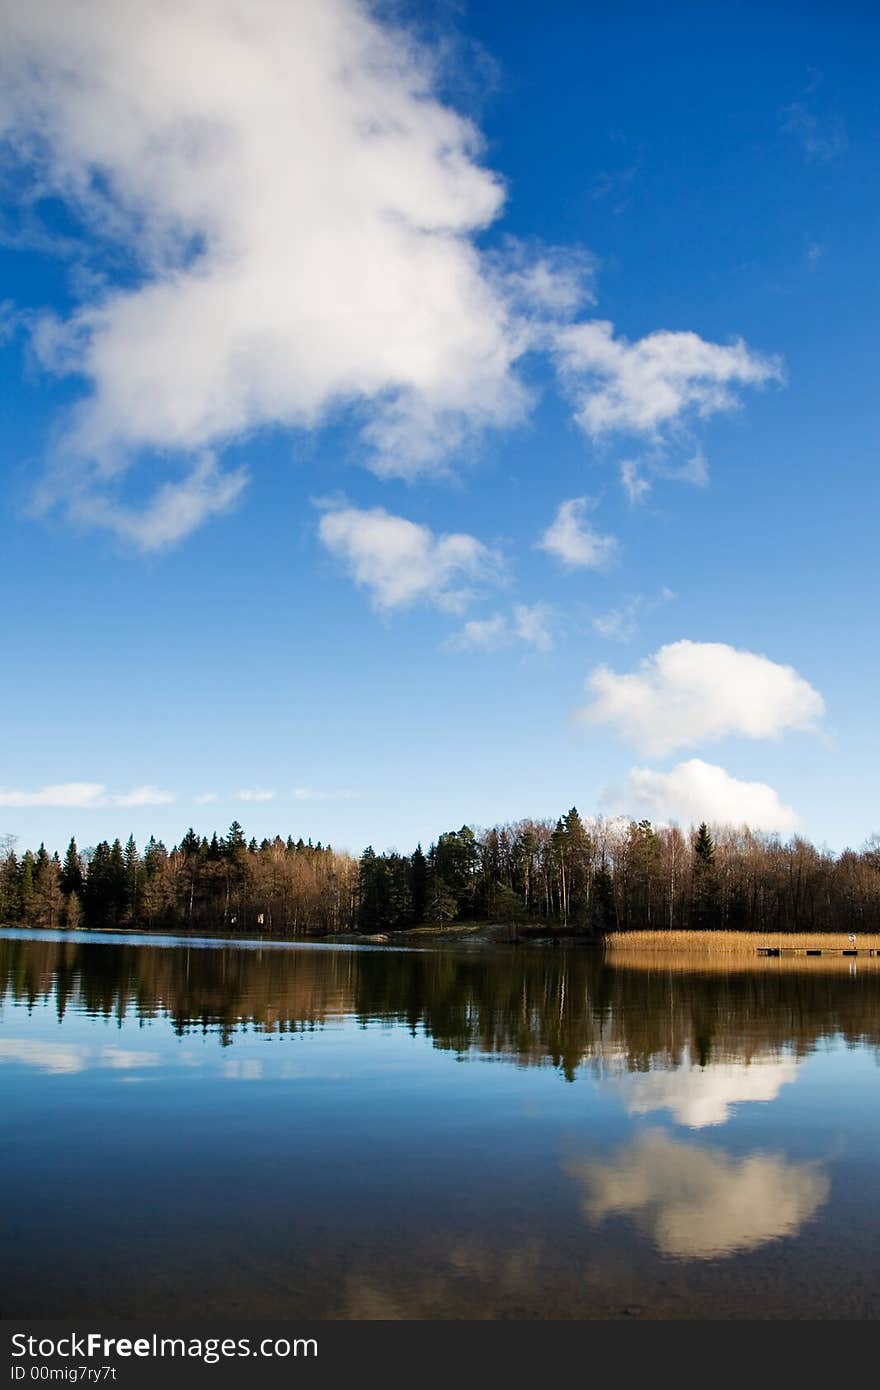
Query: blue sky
[{"x": 443, "y": 420}]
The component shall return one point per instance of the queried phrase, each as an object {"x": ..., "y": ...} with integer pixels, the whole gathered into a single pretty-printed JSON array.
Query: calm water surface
[{"x": 227, "y": 1130}]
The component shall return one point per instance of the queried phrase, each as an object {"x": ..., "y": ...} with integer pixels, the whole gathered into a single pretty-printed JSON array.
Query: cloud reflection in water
[
  {"x": 700, "y": 1096},
  {"x": 701, "y": 1203}
]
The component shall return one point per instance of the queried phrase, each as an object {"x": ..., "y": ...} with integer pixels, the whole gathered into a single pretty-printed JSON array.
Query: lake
[{"x": 252, "y": 1130}]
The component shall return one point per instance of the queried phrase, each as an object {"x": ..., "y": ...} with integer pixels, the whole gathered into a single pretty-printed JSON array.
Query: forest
[{"x": 585, "y": 877}]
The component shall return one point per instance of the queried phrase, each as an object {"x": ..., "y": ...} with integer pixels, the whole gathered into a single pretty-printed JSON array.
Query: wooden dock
[{"x": 814, "y": 951}]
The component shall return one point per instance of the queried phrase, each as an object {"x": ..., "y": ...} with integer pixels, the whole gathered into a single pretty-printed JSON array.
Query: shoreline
[{"x": 620, "y": 947}]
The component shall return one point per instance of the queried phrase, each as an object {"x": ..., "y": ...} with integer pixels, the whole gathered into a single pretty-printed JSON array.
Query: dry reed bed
[{"x": 731, "y": 943}]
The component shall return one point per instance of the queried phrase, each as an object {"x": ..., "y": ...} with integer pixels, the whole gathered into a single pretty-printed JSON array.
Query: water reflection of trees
[
  {"x": 560, "y": 1008},
  {"x": 219, "y": 989}
]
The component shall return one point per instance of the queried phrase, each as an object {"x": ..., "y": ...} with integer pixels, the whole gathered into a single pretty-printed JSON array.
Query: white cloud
[
  {"x": 573, "y": 540},
  {"x": 82, "y": 796},
  {"x": 401, "y": 562},
  {"x": 701, "y": 1203},
  {"x": 205, "y": 798},
  {"x": 695, "y": 692},
  {"x": 144, "y": 796},
  {"x": 656, "y": 382},
  {"x": 695, "y": 791},
  {"x": 698, "y": 1097},
  {"x": 635, "y": 486},
  {"x": 78, "y": 794},
  {"x": 485, "y": 634},
  {"x": 174, "y": 512},
  {"x": 301, "y": 210},
  {"x": 296, "y": 213},
  {"x": 254, "y": 794},
  {"x": 528, "y": 624}
]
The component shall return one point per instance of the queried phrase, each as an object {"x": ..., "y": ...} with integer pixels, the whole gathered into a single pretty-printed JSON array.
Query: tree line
[
  {"x": 588, "y": 877},
  {"x": 278, "y": 886}
]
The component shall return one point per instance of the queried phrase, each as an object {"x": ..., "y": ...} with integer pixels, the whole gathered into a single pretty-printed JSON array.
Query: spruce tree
[
  {"x": 704, "y": 846},
  {"x": 118, "y": 883},
  {"x": 26, "y": 885},
  {"x": 135, "y": 878},
  {"x": 72, "y": 876},
  {"x": 190, "y": 845},
  {"x": 10, "y": 889},
  {"x": 419, "y": 884},
  {"x": 236, "y": 844},
  {"x": 705, "y": 880}
]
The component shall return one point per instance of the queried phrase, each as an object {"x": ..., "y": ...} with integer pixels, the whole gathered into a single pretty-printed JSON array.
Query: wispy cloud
[
  {"x": 254, "y": 794},
  {"x": 821, "y": 139},
  {"x": 144, "y": 796},
  {"x": 82, "y": 796},
  {"x": 483, "y": 634},
  {"x": 531, "y": 623},
  {"x": 173, "y": 513},
  {"x": 547, "y": 282},
  {"x": 615, "y": 187},
  {"x": 635, "y": 485},
  {"x": 694, "y": 470},
  {"x": 572, "y": 539},
  {"x": 622, "y": 623},
  {"x": 402, "y": 562},
  {"x": 528, "y": 624}
]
